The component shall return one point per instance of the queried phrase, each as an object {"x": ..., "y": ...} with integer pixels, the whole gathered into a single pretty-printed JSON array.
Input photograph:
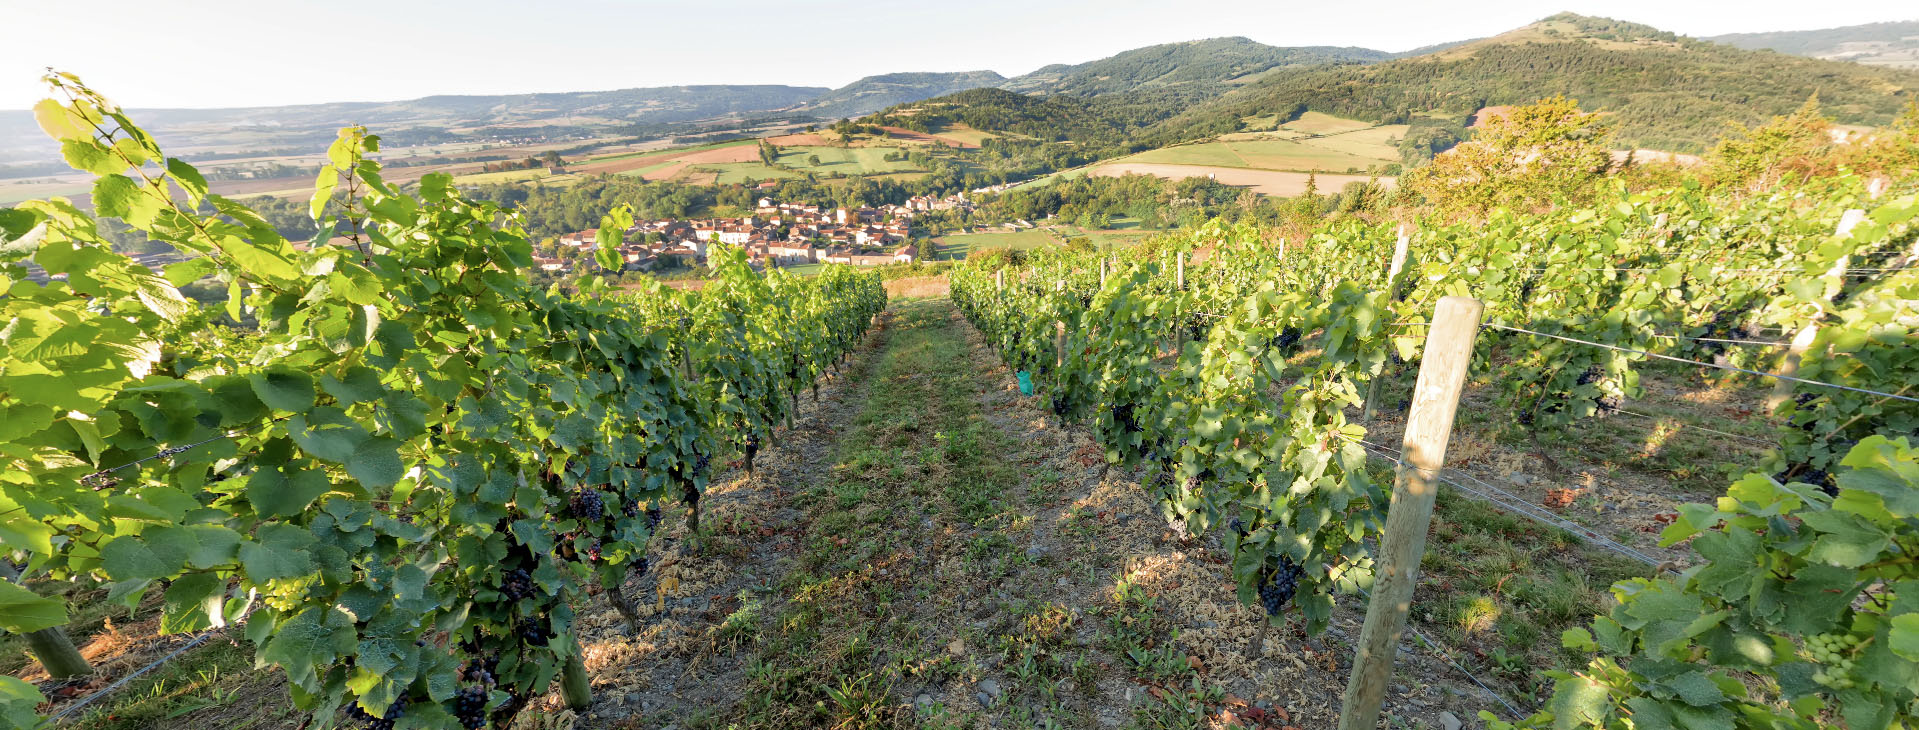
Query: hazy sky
[{"x": 207, "y": 53}]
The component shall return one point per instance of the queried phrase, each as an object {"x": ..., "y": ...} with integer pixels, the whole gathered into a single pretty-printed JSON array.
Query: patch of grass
[
  {"x": 1322, "y": 123},
  {"x": 845, "y": 160},
  {"x": 739, "y": 172},
  {"x": 213, "y": 685},
  {"x": 957, "y": 246},
  {"x": 1509, "y": 586}
]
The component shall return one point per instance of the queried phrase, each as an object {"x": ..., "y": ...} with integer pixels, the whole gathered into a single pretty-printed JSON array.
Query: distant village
[{"x": 776, "y": 234}]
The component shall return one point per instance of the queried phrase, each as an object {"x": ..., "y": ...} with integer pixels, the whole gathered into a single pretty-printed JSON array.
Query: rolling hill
[
  {"x": 1202, "y": 64},
  {"x": 1666, "y": 91},
  {"x": 1875, "y": 44},
  {"x": 874, "y": 93}
]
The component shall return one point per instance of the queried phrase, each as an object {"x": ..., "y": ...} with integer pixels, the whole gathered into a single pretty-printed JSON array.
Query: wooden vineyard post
[
  {"x": 1442, "y": 371},
  {"x": 51, "y": 645},
  {"x": 1399, "y": 255},
  {"x": 1835, "y": 278},
  {"x": 1392, "y": 274},
  {"x": 999, "y": 280},
  {"x": 1102, "y": 272}
]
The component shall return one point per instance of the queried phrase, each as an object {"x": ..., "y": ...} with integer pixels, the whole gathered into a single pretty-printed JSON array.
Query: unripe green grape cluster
[{"x": 1834, "y": 651}]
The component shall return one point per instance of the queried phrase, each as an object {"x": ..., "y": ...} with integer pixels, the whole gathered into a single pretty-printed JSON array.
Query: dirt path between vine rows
[{"x": 933, "y": 550}]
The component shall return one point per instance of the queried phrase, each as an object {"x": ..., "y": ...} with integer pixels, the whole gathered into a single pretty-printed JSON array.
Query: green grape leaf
[
  {"x": 188, "y": 178},
  {"x": 315, "y": 637},
  {"x": 22, "y": 611},
  {"x": 284, "y": 389},
  {"x": 128, "y": 557},
  {"x": 185, "y": 608},
  {"x": 357, "y": 385},
  {"x": 327, "y": 433},
  {"x": 285, "y": 490},
  {"x": 88, "y": 156},
  {"x": 57, "y": 121},
  {"x": 376, "y": 463},
  {"x": 1903, "y": 639},
  {"x": 281, "y": 552}
]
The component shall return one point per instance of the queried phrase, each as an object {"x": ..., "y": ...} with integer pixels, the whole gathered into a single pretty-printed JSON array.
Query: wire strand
[
  {"x": 173, "y": 451},
  {"x": 1694, "y": 427},
  {"x": 1520, "y": 505},
  {"x": 1703, "y": 364},
  {"x": 1438, "y": 651}
]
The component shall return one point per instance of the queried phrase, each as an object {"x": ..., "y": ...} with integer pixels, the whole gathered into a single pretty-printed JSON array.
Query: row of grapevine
[
  {"x": 1240, "y": 433},
  {"x": 398, "y": 481}
]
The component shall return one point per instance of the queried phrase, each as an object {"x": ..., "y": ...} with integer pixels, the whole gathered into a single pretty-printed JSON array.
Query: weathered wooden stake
[
  {"x": 1102, "y": 272},
  {"x": 1392, "y": 275},
  {"x": 50, "y": 645},
  {"x": 1442, "y": 371},
  {"x": 999, "y": 280},
  {"x": 1399, "y": 255},
  {"x": 1179, "y": 269},
  {"x": 1835, "y": 278}
]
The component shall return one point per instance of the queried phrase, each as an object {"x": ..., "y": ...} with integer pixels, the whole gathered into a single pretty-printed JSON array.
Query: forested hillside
[
  {"x": 1195, "y": 64},
  {"x": 1667, "y": 92},
  {"x": 874, "y": 93}
]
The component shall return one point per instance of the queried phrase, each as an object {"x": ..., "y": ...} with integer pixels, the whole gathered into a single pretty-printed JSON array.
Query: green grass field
[
  {"x": 637, "y": 172},
  {"x": 1376, "y": 142},
  {"x": 671, "y": 150},
  {"x": 957, "y": 246},
  {"x": 1285, "y": 154},
  {"x": 847, "y": 161},
  {"x": 738, "y": 172},
  {"x": 487, "y": 178},
  {"x": 1317, "y": 123}
]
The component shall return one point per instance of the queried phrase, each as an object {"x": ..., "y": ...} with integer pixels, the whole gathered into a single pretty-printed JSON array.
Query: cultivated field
[
  {"x": 843, "y": 160},
  {"x": 957, "y": 246},
  {"x": 1264, "y": 182},
  {"x": 1317, "y": 123},
  {"x": 1261, "y": 154}
]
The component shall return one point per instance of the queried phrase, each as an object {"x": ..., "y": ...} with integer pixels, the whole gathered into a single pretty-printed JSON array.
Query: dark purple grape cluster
[
  {"x": 1805, "y": 474},
  {"x": 480, "y": 670},
  {"x": 533, "y": 633},
  {"x": 1287, "y": 338},
  {"x": 385, "y": 721},
  {"x": 652, "y": 518},
  {"x": 1592, "y": 375},
  {"x": 593, "y": 552},
  {"x": 640, "y": 566},
  {"x": 1124, "y": 416},
  {"x": 1280, "y": 585},
  {"x": 1059, "y": 406},
  {"x": 587, "y": 504},
  {"x": 517, "y": 585},
  {"x": 630, "y": 507},
  {"x": 469, "y": 707}
]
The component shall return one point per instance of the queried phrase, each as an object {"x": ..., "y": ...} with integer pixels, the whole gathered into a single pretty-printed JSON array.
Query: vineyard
[
  {"x": 1243, "y": 386},
  {"x": 401, "y": 477},
  {"x": 1151, "y": 488}
]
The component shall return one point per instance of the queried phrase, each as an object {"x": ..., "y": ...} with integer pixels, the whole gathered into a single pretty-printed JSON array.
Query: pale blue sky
[{"x": 205, "y": 53}]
